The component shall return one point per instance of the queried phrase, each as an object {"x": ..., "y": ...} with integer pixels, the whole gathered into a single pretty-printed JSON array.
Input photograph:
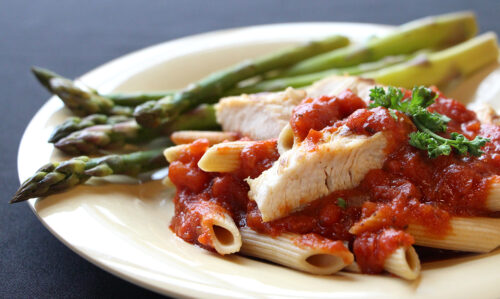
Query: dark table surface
[{"x": 73, "y": 37}]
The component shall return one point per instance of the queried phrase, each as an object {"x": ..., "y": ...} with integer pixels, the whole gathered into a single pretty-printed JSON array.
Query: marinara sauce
[{"x": 410, "y": 187}]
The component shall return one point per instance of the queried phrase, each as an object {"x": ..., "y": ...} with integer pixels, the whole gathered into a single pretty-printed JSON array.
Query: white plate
[{"x": 124, "y": 228}]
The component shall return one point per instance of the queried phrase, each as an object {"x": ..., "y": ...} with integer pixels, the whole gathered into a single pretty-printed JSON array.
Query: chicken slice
[
  {"x": 339, "y": 161},
  {"x": 334, "y": 85},
  {"x": 262, "y": 116},
  {"x": 487, "y": 115},
  {"x": 258, "y": 116}
]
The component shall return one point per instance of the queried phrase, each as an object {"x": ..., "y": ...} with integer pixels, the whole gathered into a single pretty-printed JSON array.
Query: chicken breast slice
[
  {"x": 262, "y": 116},
  {"x": 333, "y": 85},
  {"x": 258, "y": 116},
  {"x": 487, "y": 115},
  {"x": 340, "y": 161}
]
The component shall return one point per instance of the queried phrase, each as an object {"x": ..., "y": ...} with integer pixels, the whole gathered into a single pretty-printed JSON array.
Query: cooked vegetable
[
  {"x": 73, "y": 124},
  {"x": 78, "y": 100},
  {"x": 443, "y": 66},
  {"x": 209, "y": 89},
  {"x": 90, "y": 140},
  {"x": 305, "y": 80},
  {"x": 430, "y": 32},
  {"x": 427, "y": 122},
  {"x": 57, "y": 177},
  {"x": 108, "y": 136}
]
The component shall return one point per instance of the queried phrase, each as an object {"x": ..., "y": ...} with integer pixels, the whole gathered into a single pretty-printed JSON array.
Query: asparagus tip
[{"x": 43, "y": 76}]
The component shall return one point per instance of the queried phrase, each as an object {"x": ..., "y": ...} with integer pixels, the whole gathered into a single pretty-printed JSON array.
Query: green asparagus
[
  {"x": 305, "y": 80},
  {"x": 93, "y": 139},
  {"x": 430, "y": 32},
  {"x": 440, "y": 67},
  {"x": 57, "y": 177},
  {"x": 208, "y": 90},
  {"x": 78, "y": 100},
  {"x": 136, "y": 98},
  {"x": 73, "y": 124},
  {"x": 111, "y": 136}
]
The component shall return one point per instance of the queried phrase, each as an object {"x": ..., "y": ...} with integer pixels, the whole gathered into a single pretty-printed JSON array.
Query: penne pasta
[
  {"x": 223, "y": 157},
  {"x": 284, "y": 250},
  {"x": 354, "y": 268},
  {"x": 183, "y": 137},
  {"x": 285, "y": 139},
  {"x": 344, "y": 167},
  {"x": 493, "y": 199},
  {"x": 404, "y": 263},
  {"x": 475, "y": 234},
  {"x": 172, "y": 153},
  {"x": 222, "y": 232}
]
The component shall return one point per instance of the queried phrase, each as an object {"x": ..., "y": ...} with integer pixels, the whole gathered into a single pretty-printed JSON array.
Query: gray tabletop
[{"x": 73, "y": 37}]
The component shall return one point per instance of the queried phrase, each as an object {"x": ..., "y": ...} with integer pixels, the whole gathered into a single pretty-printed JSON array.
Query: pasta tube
[
  {"x": 223, "y": 157},
  {"x": 404, "y": 263},
  {"x": 493, "y": 199},
  {"x": 285, "y": 139},
  {"x": 285, "y": 250},
  {"x": 172, "y": 153},
  {"x": 476, "y": 234},
  {"x": 183, "y": 137},
  {"x": 221, "y": 231}
]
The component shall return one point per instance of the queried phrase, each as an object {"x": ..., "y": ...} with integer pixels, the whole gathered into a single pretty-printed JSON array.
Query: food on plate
[
  {"x": 56, "y": 177},
  {"x": 313, "y": 169},
  {"x": 76, "y": 98},
  {"x": 431, "y": 32},
  {"x": 212, "y": 87},
  {"x": 92, "y": 139},
  {"x": 360, "y": 182}
]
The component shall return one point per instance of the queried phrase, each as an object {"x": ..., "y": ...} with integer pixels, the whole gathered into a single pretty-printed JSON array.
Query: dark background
[{"x": 73, "y": 37}]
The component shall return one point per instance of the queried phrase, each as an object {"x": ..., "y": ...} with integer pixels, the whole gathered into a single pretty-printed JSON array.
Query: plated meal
[{"x": 332, "y": 157}]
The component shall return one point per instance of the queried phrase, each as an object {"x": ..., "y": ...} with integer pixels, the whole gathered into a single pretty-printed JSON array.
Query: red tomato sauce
[
  {"x": 317, "y": 113},
  {"x": 410, "y": 187}
]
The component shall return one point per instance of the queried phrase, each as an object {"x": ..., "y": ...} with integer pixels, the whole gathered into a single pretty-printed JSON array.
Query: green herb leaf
[
  {"x": 341, "y": 203},
  {"x": 427, "y": 122}
]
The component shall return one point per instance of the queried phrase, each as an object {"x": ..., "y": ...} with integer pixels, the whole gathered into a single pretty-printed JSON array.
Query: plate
[{"x": 123, "y": 227}]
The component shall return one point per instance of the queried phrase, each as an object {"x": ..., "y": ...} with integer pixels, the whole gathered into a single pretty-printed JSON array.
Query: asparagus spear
[
  {"x": 440, "y": 67},
  {"x": 57, "y": 177},
  {"x": 136, "y": 98},
  {"x": 73, "y": 124},
  {"x": 430, "y": 32},
  {"x": 208, "y": 90},
  {"x": 308, "y": 79},
  {"x": 92, "y": 139},
  {"x": 78, "y": 100}
]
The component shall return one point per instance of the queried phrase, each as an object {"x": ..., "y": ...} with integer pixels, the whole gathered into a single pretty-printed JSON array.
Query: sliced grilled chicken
[
  {"x": 332, "y": 86},
  {"x": 262, "y": 116},
  {"x": 339, "y": 161},
  {"x": 258, "y": 116}
]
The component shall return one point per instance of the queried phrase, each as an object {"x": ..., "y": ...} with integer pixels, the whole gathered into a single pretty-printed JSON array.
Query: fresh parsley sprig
[{"x": 428, "y": 123}]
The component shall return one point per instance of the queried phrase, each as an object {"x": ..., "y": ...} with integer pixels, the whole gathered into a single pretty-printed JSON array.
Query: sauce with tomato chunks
[{"x": 371, "y": 218}]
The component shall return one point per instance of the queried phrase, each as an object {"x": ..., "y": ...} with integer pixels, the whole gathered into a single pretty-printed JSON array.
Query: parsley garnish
[
  {"x": 428, "y": 123},
  {"x": 341, "y": 203}
]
